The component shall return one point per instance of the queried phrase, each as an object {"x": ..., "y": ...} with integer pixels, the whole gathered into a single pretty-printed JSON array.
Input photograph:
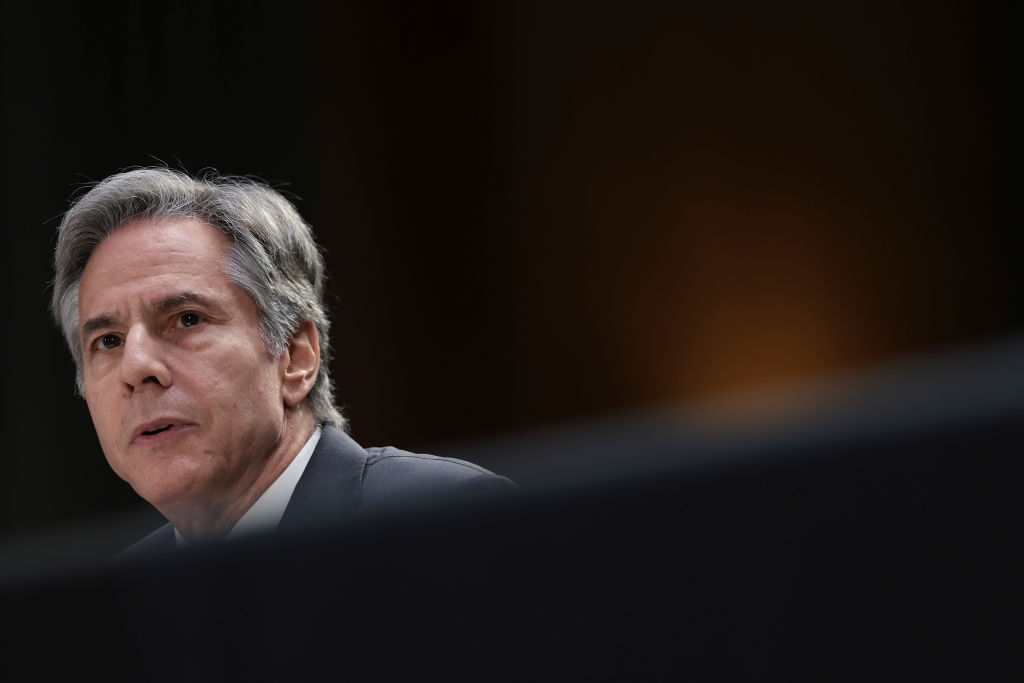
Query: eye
[
  {"x": 189, "y": 319},
  {"x": 109, "y": 341}
]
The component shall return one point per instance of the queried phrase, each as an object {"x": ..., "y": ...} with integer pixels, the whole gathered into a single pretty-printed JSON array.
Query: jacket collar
[{"x": 331, "y": 486}]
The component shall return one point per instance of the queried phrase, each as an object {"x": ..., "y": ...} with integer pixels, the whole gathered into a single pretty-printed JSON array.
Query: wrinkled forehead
[
  {"x": 147, "y": 260},
  {"x": 161, "y": 235}
]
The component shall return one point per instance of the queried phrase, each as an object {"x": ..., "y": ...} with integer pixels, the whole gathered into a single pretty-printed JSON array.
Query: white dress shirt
[{"x": 265, "y": 514}]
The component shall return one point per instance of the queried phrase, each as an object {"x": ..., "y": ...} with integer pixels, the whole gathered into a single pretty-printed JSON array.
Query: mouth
[{"x": 157, "y": 431}]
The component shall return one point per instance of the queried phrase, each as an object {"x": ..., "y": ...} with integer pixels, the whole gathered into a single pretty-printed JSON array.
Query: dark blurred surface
[
  {"x": 870, "y": 538},
  {"x": 534, "y": 213}
]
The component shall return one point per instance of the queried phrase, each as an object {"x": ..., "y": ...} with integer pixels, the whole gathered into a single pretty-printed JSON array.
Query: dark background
[{"x": 534, "y": 212}]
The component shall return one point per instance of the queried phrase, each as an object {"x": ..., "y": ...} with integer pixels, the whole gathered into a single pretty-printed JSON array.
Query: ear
[{"x": 300, "y": 364}]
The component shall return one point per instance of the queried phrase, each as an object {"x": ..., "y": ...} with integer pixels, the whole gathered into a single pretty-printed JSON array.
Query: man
[{"x": 193, "y": 308}]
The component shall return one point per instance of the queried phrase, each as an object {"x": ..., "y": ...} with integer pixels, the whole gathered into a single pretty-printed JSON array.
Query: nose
[{"x": 142, "y": 361}]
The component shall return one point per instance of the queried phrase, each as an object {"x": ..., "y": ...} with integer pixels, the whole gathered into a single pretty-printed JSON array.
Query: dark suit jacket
[{"x": 343, "y": 480}]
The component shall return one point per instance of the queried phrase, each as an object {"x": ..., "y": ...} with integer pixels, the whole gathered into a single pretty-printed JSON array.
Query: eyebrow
[
  {"x": 169, "y": 303},
  {"x": 161, "y": 305},
  {"x": 97, "y": 323}
]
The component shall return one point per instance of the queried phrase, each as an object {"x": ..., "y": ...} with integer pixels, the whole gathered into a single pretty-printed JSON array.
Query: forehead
[{"x": 142, "y": 259}]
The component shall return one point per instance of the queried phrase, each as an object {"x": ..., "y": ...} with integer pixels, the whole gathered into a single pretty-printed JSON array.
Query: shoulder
[
  {"x": 391, "y": 473},
  {"x": 343, "y": 478},
  {"x": 395, "y": 463}
]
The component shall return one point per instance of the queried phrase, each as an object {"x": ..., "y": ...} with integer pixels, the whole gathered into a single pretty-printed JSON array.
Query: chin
[{"x": 168, "y": 488}]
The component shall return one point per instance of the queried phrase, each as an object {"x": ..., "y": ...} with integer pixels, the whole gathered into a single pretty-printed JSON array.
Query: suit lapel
[{"x": 331, "y": 485}]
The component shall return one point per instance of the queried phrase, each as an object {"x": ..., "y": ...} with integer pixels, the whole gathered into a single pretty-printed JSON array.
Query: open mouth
[{"x": 156, "y": 430}]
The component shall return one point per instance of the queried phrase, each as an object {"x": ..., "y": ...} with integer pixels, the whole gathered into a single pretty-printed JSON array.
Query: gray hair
[{"x": 272, "y": 254}]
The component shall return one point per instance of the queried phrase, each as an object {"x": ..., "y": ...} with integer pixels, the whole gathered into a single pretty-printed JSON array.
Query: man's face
[{"x": 186, "y": 401}]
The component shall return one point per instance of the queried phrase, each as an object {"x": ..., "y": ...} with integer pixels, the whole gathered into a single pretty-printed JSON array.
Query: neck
[{"x": 212, "y": 517}]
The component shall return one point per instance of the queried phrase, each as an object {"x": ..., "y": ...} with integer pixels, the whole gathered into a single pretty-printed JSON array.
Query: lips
[{"x": 157, "y": 430}]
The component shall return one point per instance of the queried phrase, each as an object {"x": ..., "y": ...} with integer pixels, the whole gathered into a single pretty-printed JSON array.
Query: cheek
[
  {"x": 242, "y": 375},
  {"x": 99, "y": 412},
  {"x": 106, "y": 421}
]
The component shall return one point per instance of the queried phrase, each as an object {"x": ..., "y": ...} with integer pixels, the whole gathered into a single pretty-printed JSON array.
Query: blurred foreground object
[{"x": 843, "y": 531}]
